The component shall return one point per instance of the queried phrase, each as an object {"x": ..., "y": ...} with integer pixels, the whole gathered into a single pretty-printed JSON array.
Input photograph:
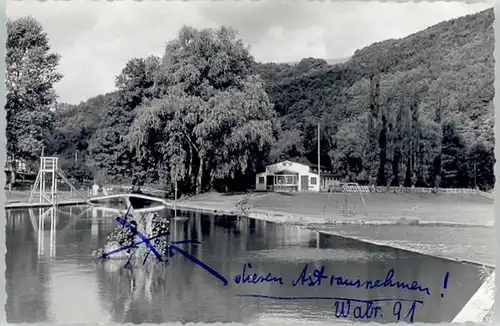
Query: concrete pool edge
[
  {"x": 383, "y": 243},
  {"x": 479, "y": 306}
]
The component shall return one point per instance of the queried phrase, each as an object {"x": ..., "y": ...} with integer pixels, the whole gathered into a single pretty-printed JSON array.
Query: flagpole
[{"x": 319, "y": 159}]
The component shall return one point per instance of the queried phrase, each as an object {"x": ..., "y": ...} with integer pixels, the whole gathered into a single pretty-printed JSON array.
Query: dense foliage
[
  {"x": 213, "y": 121},
  {"x": 30, "y": 76},
  {"x": 413, "y": 111},
  {"x": 418, "y": 110},
  {"x": 74, "y": 127}
]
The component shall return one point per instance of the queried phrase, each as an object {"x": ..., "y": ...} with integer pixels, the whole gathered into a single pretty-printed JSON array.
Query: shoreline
[
  {"x": 286, "y": 220},
  {"x": 345, "y": 208},
  {"x": 311, "y": 221},
  {"x": 230, "y": 206},
  {"x": 319, "y": 213}
]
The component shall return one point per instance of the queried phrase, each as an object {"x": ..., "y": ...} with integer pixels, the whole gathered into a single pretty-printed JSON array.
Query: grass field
[{"x": 443, "y": 208}]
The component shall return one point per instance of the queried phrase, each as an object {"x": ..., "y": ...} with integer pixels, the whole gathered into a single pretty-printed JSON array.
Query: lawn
[
  {"x": 450, "y": 208},
  {"x": 464, "y": 228}
]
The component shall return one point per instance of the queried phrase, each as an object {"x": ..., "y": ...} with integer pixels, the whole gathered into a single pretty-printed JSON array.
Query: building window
[
  {"x": 286, "y": 180},
  {"x": 313, "y": 180},
  {"x": 261, "y": 180}
]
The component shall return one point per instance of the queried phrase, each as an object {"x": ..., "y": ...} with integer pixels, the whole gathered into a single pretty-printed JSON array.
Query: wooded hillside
[{"x": 432, "y": 91}]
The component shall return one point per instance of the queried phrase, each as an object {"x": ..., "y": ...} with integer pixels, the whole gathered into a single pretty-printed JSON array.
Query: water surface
[{"x": 52, "y": 278}]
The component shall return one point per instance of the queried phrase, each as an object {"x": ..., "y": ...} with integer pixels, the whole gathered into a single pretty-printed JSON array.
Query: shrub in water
[{"x": 122, "y": 237}]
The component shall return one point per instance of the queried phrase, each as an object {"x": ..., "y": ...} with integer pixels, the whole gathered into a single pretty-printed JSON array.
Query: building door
[
  {"x": 270, "y": 182},
  {"x": 304, "y": 183}
]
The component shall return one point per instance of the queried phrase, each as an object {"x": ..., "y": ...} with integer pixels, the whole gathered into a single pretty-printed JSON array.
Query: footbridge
[
  {"x": 94, "y": 201},
  {"x": 161, "y": 203},
  {"x": 126, "y": 196}
]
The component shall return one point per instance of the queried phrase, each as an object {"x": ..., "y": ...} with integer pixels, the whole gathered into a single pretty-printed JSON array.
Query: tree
[
  {"x": 429, "y": 148},
  {"x": 454, "y": 161},
  {"x": 289, "y": 144},
  {"x": 374, "y": 132},
  {"x": 31, "y": 75},
  {"x": 481, "y": 162},
  {"x": 215, "y": 120},
  {"x": 437, "y": 161},
  {"x": 349, "y": 144},
  {"x": 109, "y": 152}
]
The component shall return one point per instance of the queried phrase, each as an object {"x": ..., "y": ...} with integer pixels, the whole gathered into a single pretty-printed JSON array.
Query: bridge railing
[{"x": 121, "y": 189}]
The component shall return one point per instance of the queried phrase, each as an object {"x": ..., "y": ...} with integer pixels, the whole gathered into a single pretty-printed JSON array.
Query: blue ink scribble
[
  {"x": 172, "y": 247},
  {"x": 144, "y": 239},
  {"x": 199, "y": 263}
]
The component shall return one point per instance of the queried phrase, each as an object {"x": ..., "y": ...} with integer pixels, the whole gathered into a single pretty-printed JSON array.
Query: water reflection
[
  {"x": 44, "y": 214},
  {"x": 64, "y": 284}
]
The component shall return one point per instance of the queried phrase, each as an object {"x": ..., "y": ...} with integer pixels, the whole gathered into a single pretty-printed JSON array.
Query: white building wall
[
  {"x": 260, "y": 186},
  {"x": 300, "y": 169},
  {"x": 287, "y": 165},
  {"x": 315, "y": 187}
]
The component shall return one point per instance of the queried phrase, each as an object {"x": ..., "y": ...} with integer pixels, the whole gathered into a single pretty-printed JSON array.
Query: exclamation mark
[{"x": 445, "y": 282}]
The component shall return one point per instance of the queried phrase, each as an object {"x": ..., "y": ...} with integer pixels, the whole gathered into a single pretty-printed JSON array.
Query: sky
[{"x": 96, "y": 39}]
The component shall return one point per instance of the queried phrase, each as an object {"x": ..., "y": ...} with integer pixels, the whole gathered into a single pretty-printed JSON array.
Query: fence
[{"x": 418, "y": 190}]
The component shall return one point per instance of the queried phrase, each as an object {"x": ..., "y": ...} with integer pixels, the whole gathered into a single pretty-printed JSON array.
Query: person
[
  {"x": 95, "y": 189},
  {"x": 136, "y": 186}
]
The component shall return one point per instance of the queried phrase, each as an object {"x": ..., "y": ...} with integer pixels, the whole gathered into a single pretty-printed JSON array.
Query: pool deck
[
  {"x": 19, "y": 200},
  {"x": 19, "y": 205}
]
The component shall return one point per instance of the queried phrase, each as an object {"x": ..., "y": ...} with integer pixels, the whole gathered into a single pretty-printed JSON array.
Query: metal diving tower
[{"x": 45, "y": 188}]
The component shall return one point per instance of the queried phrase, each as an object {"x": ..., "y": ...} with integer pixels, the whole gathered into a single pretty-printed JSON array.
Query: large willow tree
[{"x": 214, "y": 121}]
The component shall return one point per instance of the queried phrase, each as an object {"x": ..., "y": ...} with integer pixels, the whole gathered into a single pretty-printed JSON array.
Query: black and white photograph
[{"x": 252, "y": 162}]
